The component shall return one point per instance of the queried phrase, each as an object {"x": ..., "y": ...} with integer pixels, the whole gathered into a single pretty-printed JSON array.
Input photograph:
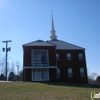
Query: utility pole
[{"x": 6, "y": 49}]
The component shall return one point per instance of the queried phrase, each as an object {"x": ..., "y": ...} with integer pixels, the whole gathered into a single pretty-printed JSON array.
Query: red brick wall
[
  {"x": 63, "y": 64},
  {"x": 74, "y": 63},
  {"x": 52, "y": 75},
  {"x": 27, "y": 75}
]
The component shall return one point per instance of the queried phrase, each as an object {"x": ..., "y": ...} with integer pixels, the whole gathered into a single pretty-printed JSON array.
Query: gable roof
[
  {"x": 39, "y": 43},
  {"x": 61, "y": 45}
]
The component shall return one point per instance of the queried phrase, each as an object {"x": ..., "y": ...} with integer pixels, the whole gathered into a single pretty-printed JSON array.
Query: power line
[{"x": 15, "y": 60}]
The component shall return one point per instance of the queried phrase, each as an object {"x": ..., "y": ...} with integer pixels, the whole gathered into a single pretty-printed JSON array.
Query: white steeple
[{"x": 53, "y": 35}]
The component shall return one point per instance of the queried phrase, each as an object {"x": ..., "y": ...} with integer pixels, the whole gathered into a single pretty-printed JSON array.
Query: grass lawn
[{"x": 45, "y": 91}]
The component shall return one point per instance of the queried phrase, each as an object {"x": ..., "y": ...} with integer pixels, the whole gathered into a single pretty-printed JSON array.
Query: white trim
[{"x": 26, "y": 67}]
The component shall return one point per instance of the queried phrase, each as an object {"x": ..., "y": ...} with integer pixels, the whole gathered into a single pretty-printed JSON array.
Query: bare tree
[
  {"x": 12, "y": 69},
  {"x": 97, "y": 81},
  {"x": 92, "y": 78},
  {"x": 21, "y": 75},
  {"x": 2, "y": 64},
  {"x": 17, "y": 65},
  {"x": 3, "y": 67},
  {"x": 19, "y": 71},
  {"x": 11, "y": 76}
]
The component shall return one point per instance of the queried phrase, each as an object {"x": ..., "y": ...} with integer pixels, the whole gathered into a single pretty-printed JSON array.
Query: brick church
[{"x": 54, "y": 60}]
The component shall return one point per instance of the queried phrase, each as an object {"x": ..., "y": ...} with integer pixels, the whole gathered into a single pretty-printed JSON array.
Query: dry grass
[{"x": 45, "y": 91}]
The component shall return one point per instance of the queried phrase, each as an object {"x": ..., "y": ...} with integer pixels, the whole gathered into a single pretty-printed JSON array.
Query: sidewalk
[{"x": 5, "y": 81}]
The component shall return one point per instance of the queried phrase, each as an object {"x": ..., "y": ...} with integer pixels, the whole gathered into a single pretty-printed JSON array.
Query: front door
[{"x": 40, "y": 75}]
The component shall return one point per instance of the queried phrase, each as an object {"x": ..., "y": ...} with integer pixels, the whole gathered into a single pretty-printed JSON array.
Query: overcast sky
[{"x": 76, "y": 22}]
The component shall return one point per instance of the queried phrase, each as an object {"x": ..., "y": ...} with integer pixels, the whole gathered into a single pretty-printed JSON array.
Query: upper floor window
[
  {"x": 68, "y": 56},
  {"x": 82, "y": 72},
  {"x": 80, "y": 56},
  {"x": 70, "y": 73},
  {"x": 39, "y": 58},
  {"x": 57, "y": 56}
]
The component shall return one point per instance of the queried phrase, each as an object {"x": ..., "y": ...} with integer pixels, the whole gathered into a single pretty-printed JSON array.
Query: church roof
[
  {"x": 39, "y": 43},
  {"x": 61, "y": 45}
]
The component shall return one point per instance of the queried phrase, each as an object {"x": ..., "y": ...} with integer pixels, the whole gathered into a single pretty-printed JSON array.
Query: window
[
  {"x": 58, "y": 73},
  {"x": 57, "y": 56},
  {"x": 68, "y": 56},
  {"x": 82, "y": 72},
  {"x": 70, "y": 74},
  {"x": 80, "y": 56},
  {"x": 39, "y": 58}
]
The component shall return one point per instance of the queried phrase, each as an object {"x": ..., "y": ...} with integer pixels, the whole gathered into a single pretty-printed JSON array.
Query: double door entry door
[{"x": 40, "y": 75}]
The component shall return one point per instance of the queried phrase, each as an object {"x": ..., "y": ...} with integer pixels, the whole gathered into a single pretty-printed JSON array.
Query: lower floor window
[
  {"x": 58, "y": 73},
  {"x": 70, "y": 73},
  {"x": 82, "y": 72}
]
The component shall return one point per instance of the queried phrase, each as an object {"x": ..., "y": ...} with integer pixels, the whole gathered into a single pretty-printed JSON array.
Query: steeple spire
[
  {"x": 53, "y": 35},
  {"x": 53, "y": 29}
]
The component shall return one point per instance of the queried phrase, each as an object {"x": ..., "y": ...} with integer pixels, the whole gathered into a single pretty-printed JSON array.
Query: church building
[{"x": 54, "y": 61}]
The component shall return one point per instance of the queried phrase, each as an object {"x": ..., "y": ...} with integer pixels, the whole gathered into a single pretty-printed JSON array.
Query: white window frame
[
  {"x": 57, "y": 56},
  {"x": 80, "y": 56},
  {"x": 82, "y": 74},
  {"x": 68, "y": 56},
  {"x": 39, "y": 50},
  {"x": 70, "y": 72}
]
